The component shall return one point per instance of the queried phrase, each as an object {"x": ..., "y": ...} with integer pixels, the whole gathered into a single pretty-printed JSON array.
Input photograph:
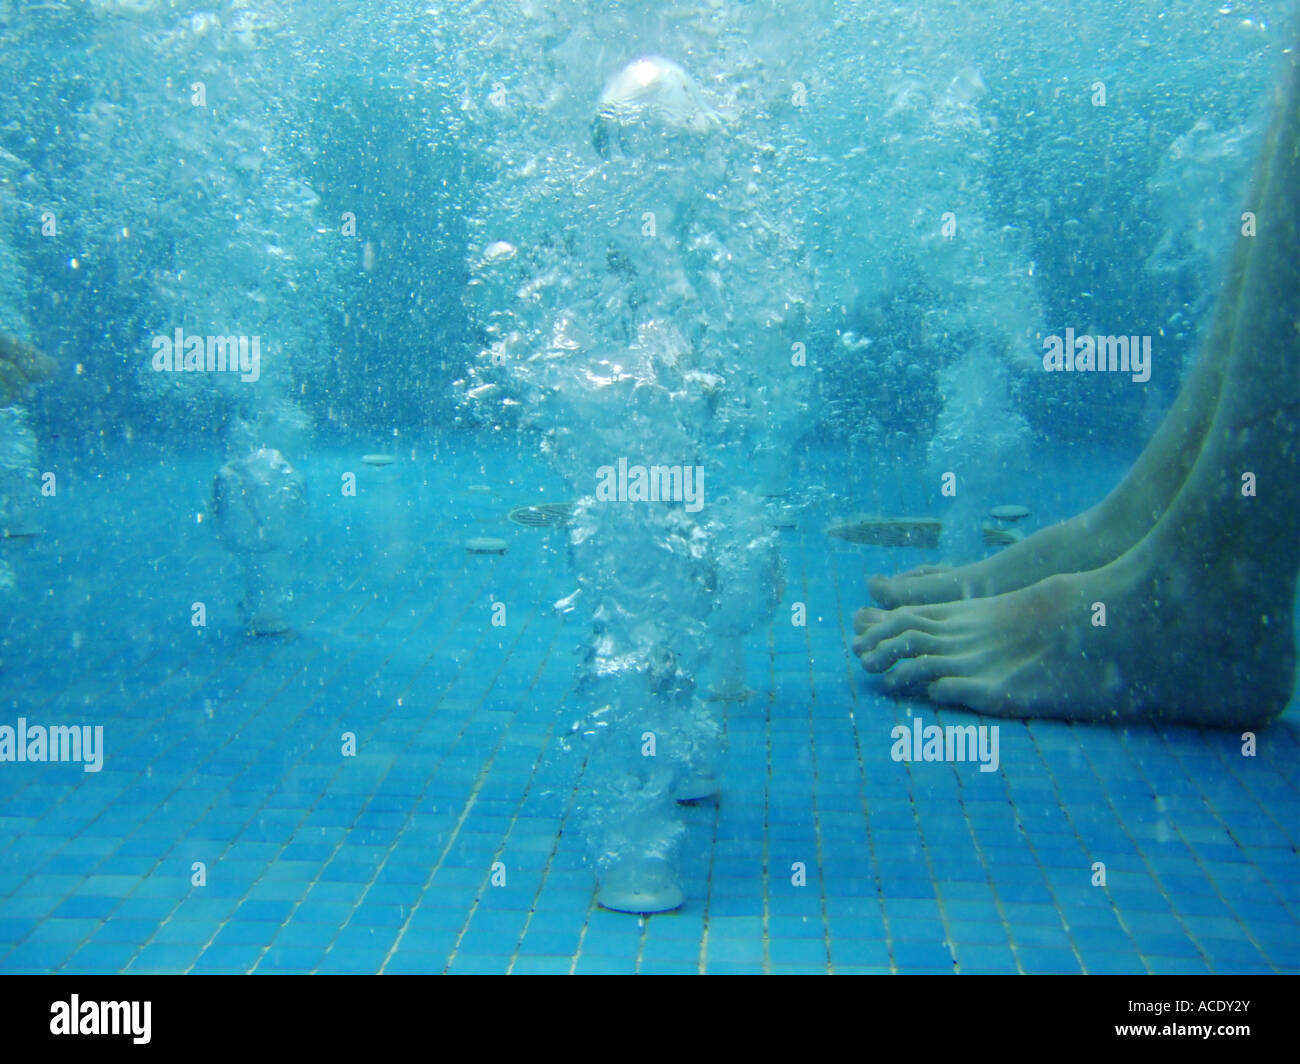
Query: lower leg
[
  {"x": 1105, "y": 531},
  {"x": 1195, "y": 622}
]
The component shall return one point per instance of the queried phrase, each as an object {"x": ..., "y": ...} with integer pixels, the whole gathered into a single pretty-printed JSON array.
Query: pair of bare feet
[{"x": 1194, "y": 556}]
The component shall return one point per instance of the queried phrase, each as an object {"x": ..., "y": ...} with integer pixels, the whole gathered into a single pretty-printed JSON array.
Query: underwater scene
[{"x": 702, "y": 487}]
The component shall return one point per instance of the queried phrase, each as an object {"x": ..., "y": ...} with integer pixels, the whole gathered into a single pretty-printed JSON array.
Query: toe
[
  {"x": 923, "y": 671},
  {"x": 865, "y": 618},
  {"x": 891, "y": 591},
  {"x": 910, "y": 587},
  {"x": 928, "y": 570},
  {"x": 910, "y": 644},
  {"x": 881, "y": 588},
  {"x": 890, "y": 624}
]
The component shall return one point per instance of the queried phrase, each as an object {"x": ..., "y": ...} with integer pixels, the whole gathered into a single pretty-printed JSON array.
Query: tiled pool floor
[{"x": 225, "y": 754}]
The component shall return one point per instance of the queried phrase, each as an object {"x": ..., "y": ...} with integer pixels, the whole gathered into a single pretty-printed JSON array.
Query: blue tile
[
  {"x": 1040, "y": 936},
  {"x": 238, "y": 933},
  {"x": 165, "y": 958},
  {"x": 723, "y": 950},
  {"x": 796, "y": 927},
  {"x": 125, "y": 930},
  {"x": 202, "y": 907},
  {"x": 921, "y": 955},
  {"x": 598, "y": 965},
  {"x": 541, "y": 966},
  {"x": 786, "y": 951},
  {"x": 1111, "y": 962},
  {"x": 663, "y": 967},
  {"x": 425, "y": 940},
  {"x": 36, "y": 955},
  {"x": 372, "y": 915},
  {"x": 26, "y": 905},
  {"x": 919, "y": 930},
  {"x": 488, "y": 942},
  {"x": 330, "y": 913},
  {"x": 977, "y": 932},
  {"x": 721, "y": 905},
  {"x": 1177, "y": 966},
  {"x": 732, "y": 968},
  {"x": 60, "y": 930},
  {"x": 234, "y": 959},
  {"x": 976, "y": 958},
  {"x": 189, "y": 932},
  {"x": 352, "y": 961},
  {"x": 291, "y": 959},
  {"x": 681, "y": 951},
  {"x": 1233, "y": 956},
  {"x": 266, "y": 910},
  {"x": 297, "y": 933},
  {"x": 411, "y": 962},
  {"x": 96, "y": 958},
  {"x": 911, "y": 911},
  {"x": 15, "y": 929},
  {"x": 1041, "y": 960}
]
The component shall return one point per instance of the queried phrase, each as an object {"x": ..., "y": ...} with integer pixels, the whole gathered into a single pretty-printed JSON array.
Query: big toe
[
  {"x": 915, "y": 587},
  {"x": 883, "y": 590},
  {"x": 865, "y": 618}
]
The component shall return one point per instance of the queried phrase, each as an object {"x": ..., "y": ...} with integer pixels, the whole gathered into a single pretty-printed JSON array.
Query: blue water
[
  {"x": 407, "y": 780},
  {"x": 227, "y": 752}
]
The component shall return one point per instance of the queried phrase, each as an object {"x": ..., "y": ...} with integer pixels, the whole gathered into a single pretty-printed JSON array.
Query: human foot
[
  {"x": 1085, "y": 542},
  {"x": 1174, "y": 647}
]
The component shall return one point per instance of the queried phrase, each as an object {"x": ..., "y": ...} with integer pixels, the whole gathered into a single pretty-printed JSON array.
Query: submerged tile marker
[
  {"x": 889, "y": 531},
  {"x": 59, "y": 742}
]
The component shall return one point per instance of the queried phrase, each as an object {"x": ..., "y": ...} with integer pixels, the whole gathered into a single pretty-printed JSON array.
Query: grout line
[{"x": 812, "y": 748}]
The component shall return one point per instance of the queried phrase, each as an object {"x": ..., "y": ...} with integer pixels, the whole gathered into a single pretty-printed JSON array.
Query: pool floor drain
[{"x": 546, "y": 515}]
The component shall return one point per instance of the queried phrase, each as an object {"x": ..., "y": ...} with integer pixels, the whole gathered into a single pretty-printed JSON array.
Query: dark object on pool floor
[
  {"x": 1000, "y": 535},
  {"x": 1009, "y": 515},
  {"x": 546, "y": 515},
  {"x": 1002, "y": 530},
  {"x": 889, "y": 531}
]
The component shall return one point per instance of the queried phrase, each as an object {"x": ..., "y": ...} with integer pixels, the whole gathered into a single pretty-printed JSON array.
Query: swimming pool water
[{"x": 226, "y": 750}]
